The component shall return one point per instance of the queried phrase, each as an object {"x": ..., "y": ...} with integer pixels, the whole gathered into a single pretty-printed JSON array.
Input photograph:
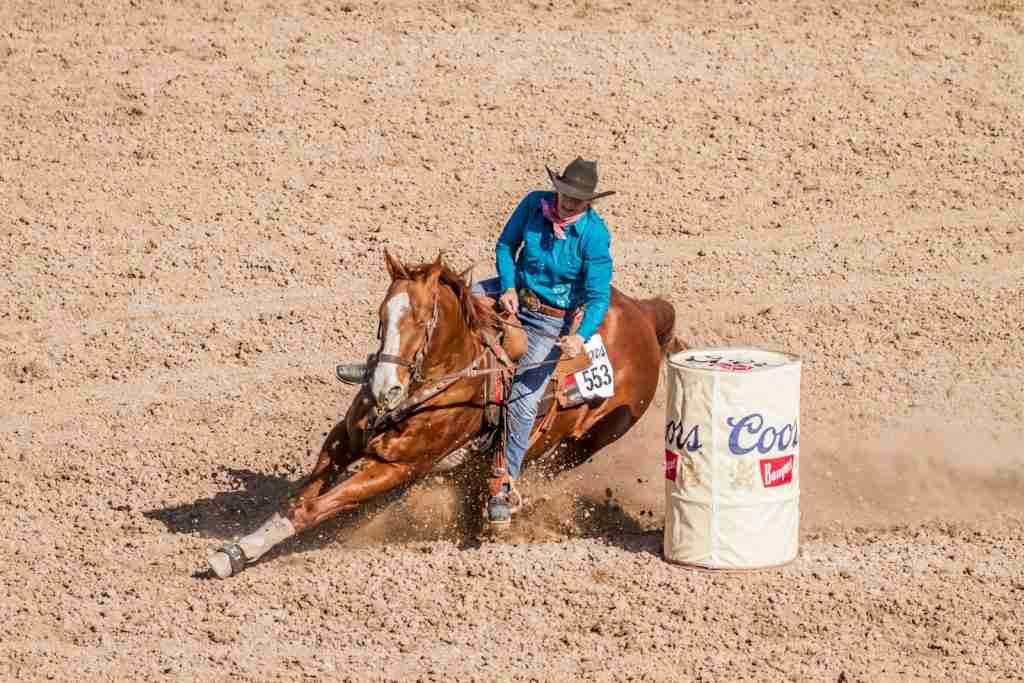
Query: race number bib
[{"x": 598, "y": 380}]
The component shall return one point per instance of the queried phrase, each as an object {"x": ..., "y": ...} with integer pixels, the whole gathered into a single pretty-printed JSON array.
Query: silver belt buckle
[{"x": 530, "y": 299}]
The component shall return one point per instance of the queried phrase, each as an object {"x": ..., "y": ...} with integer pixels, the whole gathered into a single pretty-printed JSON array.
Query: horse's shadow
[
  {"x": 254, "y": 496},
  {"x": 227, "y": 513}
]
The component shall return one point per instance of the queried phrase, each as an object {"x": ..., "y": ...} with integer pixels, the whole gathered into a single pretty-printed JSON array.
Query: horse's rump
[{"x": 663, "y": 315}]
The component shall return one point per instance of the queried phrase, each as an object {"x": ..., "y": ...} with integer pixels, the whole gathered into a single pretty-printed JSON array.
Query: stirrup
[
  {"x": 351, "y": 373},
  {"x": 498, "y": 482},
  {"x": 498, "y": 512}
]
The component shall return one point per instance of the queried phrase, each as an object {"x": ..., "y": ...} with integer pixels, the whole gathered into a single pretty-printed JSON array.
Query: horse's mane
[{"x": 477, "y": 312}]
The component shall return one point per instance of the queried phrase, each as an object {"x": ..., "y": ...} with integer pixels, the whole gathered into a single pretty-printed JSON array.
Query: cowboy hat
[{"x": 578, "y": 181}]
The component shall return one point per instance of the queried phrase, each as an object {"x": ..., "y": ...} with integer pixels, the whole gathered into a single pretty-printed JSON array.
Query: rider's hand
[
  {"x": 509, "y": 300},
  {"x": 572, "y": 345}
]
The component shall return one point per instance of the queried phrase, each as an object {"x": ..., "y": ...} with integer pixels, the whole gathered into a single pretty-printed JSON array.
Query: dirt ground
[{"x": 194, "y": 202}]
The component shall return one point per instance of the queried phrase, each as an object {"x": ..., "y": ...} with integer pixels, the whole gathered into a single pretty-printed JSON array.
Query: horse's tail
[
  {"x": 664, "y": 315},
  {"x": 675, "y": 345}
]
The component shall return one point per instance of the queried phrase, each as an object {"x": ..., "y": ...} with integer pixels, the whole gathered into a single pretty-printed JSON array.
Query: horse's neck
[{"x": 455, "y": 345}]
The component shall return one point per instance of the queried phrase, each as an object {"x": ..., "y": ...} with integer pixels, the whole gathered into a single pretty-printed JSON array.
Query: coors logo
[{"x": 777, "y": 471}]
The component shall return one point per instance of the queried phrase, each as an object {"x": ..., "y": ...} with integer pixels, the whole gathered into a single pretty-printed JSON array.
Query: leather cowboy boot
[{"x": 351, "y": 373}]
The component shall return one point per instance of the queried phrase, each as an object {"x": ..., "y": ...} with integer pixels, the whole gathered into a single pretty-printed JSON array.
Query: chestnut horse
[{"x": 432, "y": 327}]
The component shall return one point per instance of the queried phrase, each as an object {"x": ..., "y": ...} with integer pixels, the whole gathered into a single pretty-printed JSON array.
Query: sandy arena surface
[{"x": 194, "y": 202}]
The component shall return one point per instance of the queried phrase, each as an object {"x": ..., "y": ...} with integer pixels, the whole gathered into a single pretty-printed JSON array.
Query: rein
[{"x": 437, "y": 385}]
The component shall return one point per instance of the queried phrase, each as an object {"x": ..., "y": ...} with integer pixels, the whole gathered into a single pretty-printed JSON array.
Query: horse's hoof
[
  {"x": 220, "y": 564},
  {"x": 227, "y": 561}
]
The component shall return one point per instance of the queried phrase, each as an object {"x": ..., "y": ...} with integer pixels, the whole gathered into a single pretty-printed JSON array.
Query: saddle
[
  {"x": 561, "y": 388},
  {"x": 507, "y": 343},
  {"x": 512, "y": 337}
]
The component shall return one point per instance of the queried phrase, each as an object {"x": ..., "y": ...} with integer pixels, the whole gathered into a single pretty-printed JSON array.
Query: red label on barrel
[
  {"x": 671, "y": 460},
  {"x": 734, "y": 366},
  {"x": 777, "y": 471}
]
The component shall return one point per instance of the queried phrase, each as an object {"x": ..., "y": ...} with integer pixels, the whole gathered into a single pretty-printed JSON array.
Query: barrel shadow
[{"x": 607, "y": 520}]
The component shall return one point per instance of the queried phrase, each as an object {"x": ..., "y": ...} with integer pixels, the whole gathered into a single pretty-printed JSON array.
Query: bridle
[
  {"x": 416, "y": 364},
  {"x": 437, "y": 385}
]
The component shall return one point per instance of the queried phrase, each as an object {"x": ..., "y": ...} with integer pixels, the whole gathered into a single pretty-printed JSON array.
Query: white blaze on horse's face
[{"x": 387, "y": 389}]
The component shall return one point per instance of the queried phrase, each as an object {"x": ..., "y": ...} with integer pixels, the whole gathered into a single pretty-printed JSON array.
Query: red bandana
[{"x": 558, "y": 224}]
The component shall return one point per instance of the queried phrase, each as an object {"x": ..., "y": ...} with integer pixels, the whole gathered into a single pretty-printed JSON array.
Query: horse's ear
[
  {"x": 467, "y": 275},
  {"x": 434, "y": 274},
  {"x": 395, "y": 267},
  {"x": 436, "y": 269}
]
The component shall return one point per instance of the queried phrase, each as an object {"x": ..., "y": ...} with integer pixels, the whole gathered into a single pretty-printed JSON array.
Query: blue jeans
[{"x": 528, "y": 386}]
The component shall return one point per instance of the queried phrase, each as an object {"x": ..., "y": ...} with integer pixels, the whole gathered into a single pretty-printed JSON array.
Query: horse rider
[
  {"x": 554, "y": 261},
  {"x": 554, "y": 274}
]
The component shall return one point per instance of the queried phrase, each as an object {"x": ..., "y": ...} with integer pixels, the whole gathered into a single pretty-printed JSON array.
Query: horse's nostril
[{"x": 393, "y": 394}]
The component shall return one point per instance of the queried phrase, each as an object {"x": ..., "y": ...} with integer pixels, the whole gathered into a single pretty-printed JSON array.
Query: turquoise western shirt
[{"x": 563, "y": 273}]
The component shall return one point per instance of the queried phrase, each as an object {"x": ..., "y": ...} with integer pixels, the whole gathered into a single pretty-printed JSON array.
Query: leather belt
[{"x": 531, "y": 301}]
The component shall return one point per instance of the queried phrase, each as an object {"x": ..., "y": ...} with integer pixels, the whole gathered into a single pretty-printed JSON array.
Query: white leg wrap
[{"x": 273, "y": 531}]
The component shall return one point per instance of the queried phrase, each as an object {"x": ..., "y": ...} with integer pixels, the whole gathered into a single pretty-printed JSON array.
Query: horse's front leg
[
  {"x": 374, "y": 479},
  {"x": 335, "y": 456},
  {"x": 302, "y": 512}
]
